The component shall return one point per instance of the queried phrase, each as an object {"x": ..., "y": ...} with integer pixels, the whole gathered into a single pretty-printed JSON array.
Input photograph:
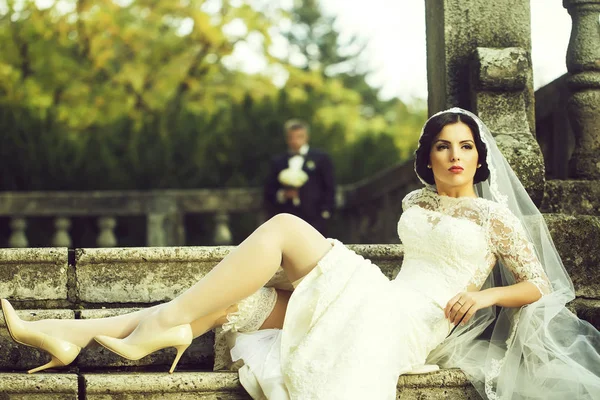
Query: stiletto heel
[
  {"x": 55, "y": 362},
  {"x": 179, "y": 337},
  {"x": 63, "y": 353},
  {"x": 180, "y": 350}
]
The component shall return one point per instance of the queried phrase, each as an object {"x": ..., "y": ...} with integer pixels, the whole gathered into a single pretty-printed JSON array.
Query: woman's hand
[{"x": 466, "y": 304}]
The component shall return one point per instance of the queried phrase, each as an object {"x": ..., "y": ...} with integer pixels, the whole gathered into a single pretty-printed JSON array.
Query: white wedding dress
[{"x": 349, "y": 331}]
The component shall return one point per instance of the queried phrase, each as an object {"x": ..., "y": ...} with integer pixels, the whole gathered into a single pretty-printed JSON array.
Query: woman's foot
[
  {"x": 62, "y": 352},
  {"x": 148, "y": 337}
]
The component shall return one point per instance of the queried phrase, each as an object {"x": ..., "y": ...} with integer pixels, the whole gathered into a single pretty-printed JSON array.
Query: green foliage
[{"x": 136, "y": 95}]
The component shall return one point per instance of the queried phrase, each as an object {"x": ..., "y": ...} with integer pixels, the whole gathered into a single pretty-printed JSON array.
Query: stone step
[
  {"x": 148, "y": 275},
  {"x": 573, "y": 197},
  {"x": 158, "y": 386},
  {"x": 39, "y": 386},
  {"x": 133, "y": 276},
  {"x": 40, "y": 274},
  {"x": 444, "y": 384}
]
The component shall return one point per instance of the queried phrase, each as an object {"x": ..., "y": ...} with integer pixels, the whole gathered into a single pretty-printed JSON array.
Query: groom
[{"x": 311, "y": 199}]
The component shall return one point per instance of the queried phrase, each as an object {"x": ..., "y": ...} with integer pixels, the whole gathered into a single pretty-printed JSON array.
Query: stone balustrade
[
  {"x": 163, "y": 210},
  {"x": 368, "y": 209}
]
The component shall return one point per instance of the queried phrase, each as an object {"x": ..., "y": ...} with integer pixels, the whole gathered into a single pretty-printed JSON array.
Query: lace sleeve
[
  {"x": 517, "y": 253},
  {"x": 411, "y": 199}
]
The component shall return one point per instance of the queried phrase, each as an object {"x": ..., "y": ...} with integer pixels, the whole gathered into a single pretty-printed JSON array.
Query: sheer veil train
[{"x": 542, "y": 350}]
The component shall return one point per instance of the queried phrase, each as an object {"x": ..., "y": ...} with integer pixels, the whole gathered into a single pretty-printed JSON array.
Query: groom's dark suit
[{"x": 317, "y": 195}]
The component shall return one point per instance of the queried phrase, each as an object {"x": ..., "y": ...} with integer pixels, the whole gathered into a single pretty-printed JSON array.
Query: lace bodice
[{"x": 452, "y": 244}]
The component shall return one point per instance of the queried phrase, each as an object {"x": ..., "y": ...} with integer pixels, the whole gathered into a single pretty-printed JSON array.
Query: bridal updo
[{"x": 431, "y": 130}]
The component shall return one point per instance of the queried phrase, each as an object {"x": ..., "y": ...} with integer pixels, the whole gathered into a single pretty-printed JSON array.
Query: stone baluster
[
  {"x": 107, "y": 237},
  {"x": 18, "y": 238},
  {"x": 222, "y": 232},
  {"x": 61, "y": 236},
  {"x": 583, "y": 107},
  {"x": 164, "y": 223}
]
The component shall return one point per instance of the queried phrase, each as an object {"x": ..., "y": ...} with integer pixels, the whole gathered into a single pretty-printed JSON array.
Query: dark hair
[{"x": 430, "y": 131}]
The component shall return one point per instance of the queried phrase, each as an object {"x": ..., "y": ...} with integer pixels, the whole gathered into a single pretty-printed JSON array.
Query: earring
[
  {"x": 428, "y": 166},
  {"x": 478, "y": 165}
]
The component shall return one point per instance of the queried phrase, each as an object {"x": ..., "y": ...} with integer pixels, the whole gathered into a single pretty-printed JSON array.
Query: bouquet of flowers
[{"x": 293, "y": 177}]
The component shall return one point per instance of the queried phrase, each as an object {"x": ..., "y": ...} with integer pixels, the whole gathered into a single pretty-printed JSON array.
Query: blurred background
[{"x": 149, "y": 95}]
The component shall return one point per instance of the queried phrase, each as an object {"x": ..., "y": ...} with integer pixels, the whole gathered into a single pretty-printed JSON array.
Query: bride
[{"x": 481, "y": 288}]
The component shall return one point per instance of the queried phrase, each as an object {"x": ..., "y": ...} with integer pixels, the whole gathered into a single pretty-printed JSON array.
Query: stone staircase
[{"x": 93, "y": 283}]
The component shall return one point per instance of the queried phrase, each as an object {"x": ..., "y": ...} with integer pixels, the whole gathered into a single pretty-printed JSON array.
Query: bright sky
[{"x": 396, "y": 33}]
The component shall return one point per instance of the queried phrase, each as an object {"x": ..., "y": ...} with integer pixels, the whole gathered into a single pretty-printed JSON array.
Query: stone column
[{"x": 583, "y": 63}]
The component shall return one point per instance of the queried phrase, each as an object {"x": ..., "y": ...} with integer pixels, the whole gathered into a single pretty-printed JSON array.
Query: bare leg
[{"x": 283, "y": 240}]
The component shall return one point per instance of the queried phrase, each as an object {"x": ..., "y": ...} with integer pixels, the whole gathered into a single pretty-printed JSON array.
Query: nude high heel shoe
[
  {"x": 63, "y": 353},
  {"x": 179, "y": 337}
]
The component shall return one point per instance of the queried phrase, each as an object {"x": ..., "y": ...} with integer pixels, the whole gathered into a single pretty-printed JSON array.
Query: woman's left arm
[
  {"x": 468, "y": 303},
  {"x": 512, "y": 246}
]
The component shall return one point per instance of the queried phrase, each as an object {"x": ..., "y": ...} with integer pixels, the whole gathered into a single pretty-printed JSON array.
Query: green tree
[{"x": 137, "y": 94}]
